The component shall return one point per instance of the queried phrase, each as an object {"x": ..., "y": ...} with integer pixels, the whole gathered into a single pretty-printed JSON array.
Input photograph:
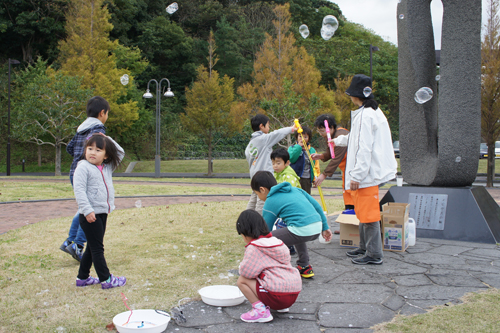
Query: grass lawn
[
  {"x": 34, "y": 190},
  {"x": 238, "y": 166}
]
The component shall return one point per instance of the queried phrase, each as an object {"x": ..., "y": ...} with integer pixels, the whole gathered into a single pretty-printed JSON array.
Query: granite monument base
[{"x": 455, "y": 213}]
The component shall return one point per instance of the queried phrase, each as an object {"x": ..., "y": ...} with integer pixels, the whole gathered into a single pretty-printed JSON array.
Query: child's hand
[
  {"x": 327, "y": 235},
  {"x": 90, "y": 218},
  {"x": 319, "y": 180}
]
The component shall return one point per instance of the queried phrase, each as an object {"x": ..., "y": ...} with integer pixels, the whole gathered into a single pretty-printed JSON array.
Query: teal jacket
[
  {"x": 293, "y": 205},
  {"x": 298, "y": 159}
]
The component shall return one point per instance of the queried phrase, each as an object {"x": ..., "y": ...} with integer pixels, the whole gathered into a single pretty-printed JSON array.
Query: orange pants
[{"x": 366, "y": 204}]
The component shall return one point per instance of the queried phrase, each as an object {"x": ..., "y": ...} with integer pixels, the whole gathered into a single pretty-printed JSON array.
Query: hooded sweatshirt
[
  {"x": 75, "y": 147},
  {"x": 301, "y": 212},
  {"x": 267, "y": 259},
  {"x": 287, "y": 175},
  {"x": 258, "y": 151},
  {"x": 93, "y": 188},
  {"x": 370, "y": 154}
]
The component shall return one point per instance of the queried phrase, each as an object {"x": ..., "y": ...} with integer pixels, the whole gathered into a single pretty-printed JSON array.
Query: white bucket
[{"x": 412, "y": 232}]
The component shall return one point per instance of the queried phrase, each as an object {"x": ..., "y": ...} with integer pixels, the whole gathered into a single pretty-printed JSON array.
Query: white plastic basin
[
  {"x": 148, "y": 321},
  {"x": 221, "y": 295}
]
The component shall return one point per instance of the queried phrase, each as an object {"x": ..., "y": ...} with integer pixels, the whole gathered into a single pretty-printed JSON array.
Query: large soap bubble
[
  {"x": 172, "y": 8},
  {"x": 124, "y": 79},
  {"x": 332, "y": 21},
  {"x": 423, "y": 95},
  {"x": 367, "y": 91},
  {"x": 327, "y": 32},
  {"x": 304, "y": 31}
]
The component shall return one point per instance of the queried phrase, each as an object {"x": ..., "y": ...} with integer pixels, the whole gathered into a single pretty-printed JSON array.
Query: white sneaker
[{"x": 283, "y": 310}]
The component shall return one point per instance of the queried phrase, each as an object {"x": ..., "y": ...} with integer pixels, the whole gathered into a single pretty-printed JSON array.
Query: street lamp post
[
  {"x": 168, "y": 93},
  {"x": 372, "y": 49},
  {"x": 11, "y": 62}
]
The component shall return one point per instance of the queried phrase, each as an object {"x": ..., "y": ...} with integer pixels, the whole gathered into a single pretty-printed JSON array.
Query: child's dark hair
[
  {"x": 305, "y": 130},
  {"x": 280, "y": 153},
  {"x": 369, "y": 103},
  {"x": 251, "y": 224},
  {"x": 103, "y": 142},
  {"x": 95, "y": 105},
  {"x": 257, "y": 120},
  {"x": 262, "y": 179},
  {"x": 320, "y": 121}
]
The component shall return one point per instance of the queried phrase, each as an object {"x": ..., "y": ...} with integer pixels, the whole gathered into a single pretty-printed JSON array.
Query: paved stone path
[{"x": 341, "y": 297}]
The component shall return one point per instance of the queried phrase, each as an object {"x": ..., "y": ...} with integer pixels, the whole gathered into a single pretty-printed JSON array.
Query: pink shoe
[{"x": 253, "y": 316}]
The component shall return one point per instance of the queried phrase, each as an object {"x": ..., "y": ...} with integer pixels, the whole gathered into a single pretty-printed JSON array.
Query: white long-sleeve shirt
[{"x": 370, "y": 155}]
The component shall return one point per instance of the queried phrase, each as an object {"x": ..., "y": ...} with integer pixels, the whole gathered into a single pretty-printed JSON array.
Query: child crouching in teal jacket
[{"x": 302, "y": 214}]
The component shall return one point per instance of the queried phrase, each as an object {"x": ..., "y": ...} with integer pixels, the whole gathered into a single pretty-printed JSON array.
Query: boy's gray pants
[
  {"x": 255, "y": 203},
  {"x": 300, "y": 243},
  {"x": 370, "y": 239}
]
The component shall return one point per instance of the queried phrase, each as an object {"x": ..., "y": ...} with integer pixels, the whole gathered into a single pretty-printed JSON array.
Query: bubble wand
[
  {"x": 330, "y": 144},
  {"x": 300, "y": 130}
]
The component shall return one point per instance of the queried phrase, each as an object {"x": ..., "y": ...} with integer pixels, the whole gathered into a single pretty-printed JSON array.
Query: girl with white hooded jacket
[{"x": 370, "y": 162}]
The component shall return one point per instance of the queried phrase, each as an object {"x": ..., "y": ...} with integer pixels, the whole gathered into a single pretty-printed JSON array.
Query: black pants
[{"x": 94, "y": 253}]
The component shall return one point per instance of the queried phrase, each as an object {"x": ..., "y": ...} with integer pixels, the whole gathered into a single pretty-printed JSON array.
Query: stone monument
[{"x": 439, "y": 139}]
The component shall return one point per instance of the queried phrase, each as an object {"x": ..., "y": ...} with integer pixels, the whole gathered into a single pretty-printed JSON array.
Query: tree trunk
[
  {"x": 210, "y": 170},
  {"x": 39, "y": 155},
  {"x": 58, "y": 159},
  {"x": 490, "y": 168}
]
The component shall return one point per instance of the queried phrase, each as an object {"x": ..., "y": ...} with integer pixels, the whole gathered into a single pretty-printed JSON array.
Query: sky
[{"x": 380, "y": 16}]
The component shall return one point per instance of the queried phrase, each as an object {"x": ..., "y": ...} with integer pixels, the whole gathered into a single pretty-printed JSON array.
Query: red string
[{"x": 124, "y": 298}]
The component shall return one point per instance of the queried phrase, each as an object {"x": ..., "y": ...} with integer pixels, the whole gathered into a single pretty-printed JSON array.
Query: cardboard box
[
  {"x": 395, "y": 226},
  {"x": 349, "y": 230}
]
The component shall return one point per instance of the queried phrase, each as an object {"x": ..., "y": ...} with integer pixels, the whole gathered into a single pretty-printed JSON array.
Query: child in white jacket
[{"x": 370, "y": 162}]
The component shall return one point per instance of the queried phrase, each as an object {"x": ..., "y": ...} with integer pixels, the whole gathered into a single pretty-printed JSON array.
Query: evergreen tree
[
  {"x": 209, "y": 101},
  {"x": 280, "y": 60},
  {"x": 87, "y": 52}
]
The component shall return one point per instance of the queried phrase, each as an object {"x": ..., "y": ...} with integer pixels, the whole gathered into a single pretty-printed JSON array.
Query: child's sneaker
[
  {"x": 87, "y": 282},
  {"x": 306, "y": 272},
  {"x": 65, "y": 245},
  {"x": 113, "y": 282},
  {"x": 285, "y": 310},
  {"x": 75, "y": 250},
  {"x": 254, "y": 316}
]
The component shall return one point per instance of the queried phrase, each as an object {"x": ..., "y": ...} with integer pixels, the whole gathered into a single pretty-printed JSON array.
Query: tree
[
  {"x": 88, "y": 53},
  {"x": 31, "y": 28},
  {"x": 343, "y": 101},
  {"x": 209, "y": 101},
  {"x": 490, "y": 87},
  {"x": 280, "y": 61},
  {"x": 51, "y": 107}
]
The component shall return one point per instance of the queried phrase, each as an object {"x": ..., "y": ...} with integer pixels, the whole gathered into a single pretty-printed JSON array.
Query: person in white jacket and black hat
[{"x": 370, "y": 163}]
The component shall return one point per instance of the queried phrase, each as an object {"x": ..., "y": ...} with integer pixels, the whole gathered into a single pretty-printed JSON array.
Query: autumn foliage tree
[
  {"x": 490, "y": 87},
  {"x": 209, "y": 102},
  {"x": 88, "y": 53},
  {"x": 283, "y": 72}
]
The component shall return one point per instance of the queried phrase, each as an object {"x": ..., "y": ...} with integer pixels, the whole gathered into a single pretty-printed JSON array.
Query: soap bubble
[
  {"x": 367, "y": 91},
  {"x": 124, "y": 79},
  {"x": 401, "y": 16},
  {"x": 304, "y": 31},
  {"x": 175, "y": 247},
  {"x": 331, "y": 20},
  {"x": 200, "y": 230},
  {"x": 327, "y": 32},
  {"x": 399, "y": 1},
  {"x": 458, "y": 159},
  {"x": 438, "y": 77},
  {"x": 138, "y": 204},
  {"x": 423, "y": 95},
  {"x": 172, "y": 8}
]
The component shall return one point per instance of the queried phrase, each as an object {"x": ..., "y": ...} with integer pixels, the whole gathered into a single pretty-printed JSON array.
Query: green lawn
[{"x": 237, "y": 166}]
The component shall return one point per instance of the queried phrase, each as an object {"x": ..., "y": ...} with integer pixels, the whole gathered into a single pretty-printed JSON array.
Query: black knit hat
[{"x": 361, "y": 87}]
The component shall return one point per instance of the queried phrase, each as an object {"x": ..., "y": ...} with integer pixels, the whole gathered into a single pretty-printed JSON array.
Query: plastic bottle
[{"x": 412, "y": 232}]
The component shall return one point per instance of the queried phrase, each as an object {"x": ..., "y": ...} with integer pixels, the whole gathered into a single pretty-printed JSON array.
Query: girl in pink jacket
[{"x": 267, "y": 279}]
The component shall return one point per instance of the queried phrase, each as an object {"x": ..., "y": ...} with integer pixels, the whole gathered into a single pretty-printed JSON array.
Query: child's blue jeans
[{"x": 76, "y": 233}]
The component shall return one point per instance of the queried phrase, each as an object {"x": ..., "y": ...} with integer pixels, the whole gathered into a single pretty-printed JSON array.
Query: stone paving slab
[{"x": 347, "y": 315}]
